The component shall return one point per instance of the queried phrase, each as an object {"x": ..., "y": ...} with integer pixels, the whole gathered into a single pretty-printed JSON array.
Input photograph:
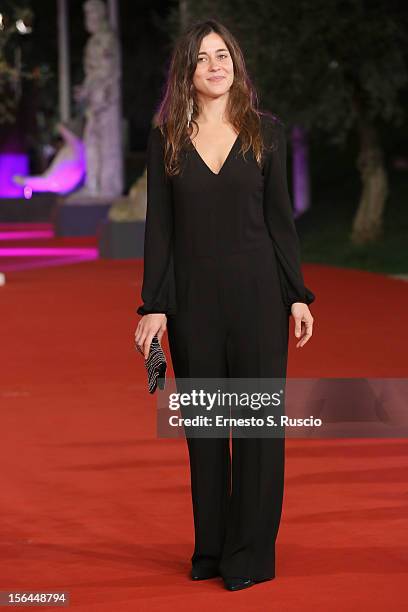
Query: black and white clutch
[{"x": 156, "y": 366}]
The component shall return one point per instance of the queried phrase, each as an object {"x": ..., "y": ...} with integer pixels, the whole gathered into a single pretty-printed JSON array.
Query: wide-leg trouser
[{"x": 231, "y": 322}]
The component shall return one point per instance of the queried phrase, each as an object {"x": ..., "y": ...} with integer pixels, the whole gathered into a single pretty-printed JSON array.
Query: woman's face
[{"x": 214, "y": 72}]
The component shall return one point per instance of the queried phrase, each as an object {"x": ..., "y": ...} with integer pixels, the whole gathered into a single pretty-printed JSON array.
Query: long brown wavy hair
[{"x": 242, "y": 107}]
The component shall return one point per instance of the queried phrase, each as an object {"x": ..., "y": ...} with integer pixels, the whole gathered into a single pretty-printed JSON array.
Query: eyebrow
[{"x": 217, "y": 51}]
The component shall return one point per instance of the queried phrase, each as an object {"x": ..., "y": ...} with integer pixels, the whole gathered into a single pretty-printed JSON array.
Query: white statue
[
  {"x": 64, "y": 173},
  {"x": 100, "y": 94}
]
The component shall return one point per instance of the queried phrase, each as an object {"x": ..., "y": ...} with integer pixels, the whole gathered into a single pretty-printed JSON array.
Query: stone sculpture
[{"x": 100, "y": 95}]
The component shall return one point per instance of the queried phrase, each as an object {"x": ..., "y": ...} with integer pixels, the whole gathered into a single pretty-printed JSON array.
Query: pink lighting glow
[
  {"x": 11, "y": 164},
  {"x": 43, "y": 263},
  {"x": 64, "y": 178},
  {"x": 26, "y": 235},
  {"x": 65, "y": 172},
  {"x": 52, "y": 252},
  {"x": 28, "y": 192},
  {"x": 87, "y": 252}
]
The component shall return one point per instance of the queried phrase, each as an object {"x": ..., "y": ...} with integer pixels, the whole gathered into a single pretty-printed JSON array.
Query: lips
[{"x": 219, "y": 78}]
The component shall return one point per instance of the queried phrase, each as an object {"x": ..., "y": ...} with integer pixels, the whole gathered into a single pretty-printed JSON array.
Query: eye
[{"x": 223, "y": 55}]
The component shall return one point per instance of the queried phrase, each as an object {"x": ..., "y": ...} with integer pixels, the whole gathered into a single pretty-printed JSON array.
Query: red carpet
[{"x": 94, "y": 504}]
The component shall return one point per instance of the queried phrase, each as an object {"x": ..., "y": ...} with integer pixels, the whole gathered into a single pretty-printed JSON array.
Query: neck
[{"x": 212, "y": 110}]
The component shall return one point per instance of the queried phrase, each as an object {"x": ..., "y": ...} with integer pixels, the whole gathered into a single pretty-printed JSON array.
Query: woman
[{"x": 222, "y": 274}]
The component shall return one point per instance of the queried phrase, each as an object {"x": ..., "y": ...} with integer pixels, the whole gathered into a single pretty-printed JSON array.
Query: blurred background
[{"x": 334, "y": 71}]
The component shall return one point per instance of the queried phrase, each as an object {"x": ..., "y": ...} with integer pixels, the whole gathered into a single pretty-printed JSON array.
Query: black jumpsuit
[{"x": 222, "y": 261}]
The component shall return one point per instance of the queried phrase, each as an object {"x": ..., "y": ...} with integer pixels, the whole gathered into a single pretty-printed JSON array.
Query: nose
[{"x": 213, "y": 63}]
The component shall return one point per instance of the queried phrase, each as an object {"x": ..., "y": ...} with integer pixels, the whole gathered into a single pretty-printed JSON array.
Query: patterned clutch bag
[{"x": 156, "y": 366}]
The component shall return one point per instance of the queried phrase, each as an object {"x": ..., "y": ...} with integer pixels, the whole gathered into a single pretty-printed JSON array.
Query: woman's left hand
[{"x": 303, "y": 322}]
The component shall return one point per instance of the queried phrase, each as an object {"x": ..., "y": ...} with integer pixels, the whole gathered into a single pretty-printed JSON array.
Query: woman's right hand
[{"x": 148, "y": 326}]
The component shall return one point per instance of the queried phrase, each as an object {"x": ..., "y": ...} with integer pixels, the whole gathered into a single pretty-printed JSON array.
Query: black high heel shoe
[
  {"x": 237, "y": 584},
  {"x": 204, "y": 573}
]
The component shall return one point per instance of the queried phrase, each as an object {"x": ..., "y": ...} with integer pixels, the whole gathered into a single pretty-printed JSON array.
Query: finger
[
  {"x": 160, "y": 334},
  {"x": 305, "y": 339},
  {"x": 298, "y": 327},
  {"x": 306, "y": 324},
  {"x": 307, "y": 331},
  {"x": 138, "y": 333},
  {"x": 309, "y": 327},
  {"x": 141, "y": 342},
  {"x": 147, "y": 344}
]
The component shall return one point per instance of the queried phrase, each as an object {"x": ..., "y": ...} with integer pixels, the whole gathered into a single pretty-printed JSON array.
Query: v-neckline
[{"x": 225, "y": 160}]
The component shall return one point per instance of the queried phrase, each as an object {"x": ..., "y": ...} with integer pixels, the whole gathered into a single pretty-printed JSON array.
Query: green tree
[
  {"x": 7, "y": 79},
  {"x": 11, "y": 73},
  {"x": 336, "y": 65}
]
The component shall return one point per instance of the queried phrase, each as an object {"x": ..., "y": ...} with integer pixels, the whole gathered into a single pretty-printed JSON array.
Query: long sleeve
[
  {"x": 158, "y": 276},
  {"x": 280, "y": 222}
]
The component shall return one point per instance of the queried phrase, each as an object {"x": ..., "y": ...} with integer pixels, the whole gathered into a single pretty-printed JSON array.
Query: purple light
[
  {"x": 300, "y": 156},
  {"x": 11, "y": 164},
  {"x": 25, "y": 257},
  {"x": 43, "y": 263},
  {"x": 26, "y": 235},
  {"x": 65, "y": 173},
  {"x": 47, "y": 252}
]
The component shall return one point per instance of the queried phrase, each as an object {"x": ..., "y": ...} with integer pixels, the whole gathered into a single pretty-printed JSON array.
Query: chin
[{"x": 220, "y": 89}]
